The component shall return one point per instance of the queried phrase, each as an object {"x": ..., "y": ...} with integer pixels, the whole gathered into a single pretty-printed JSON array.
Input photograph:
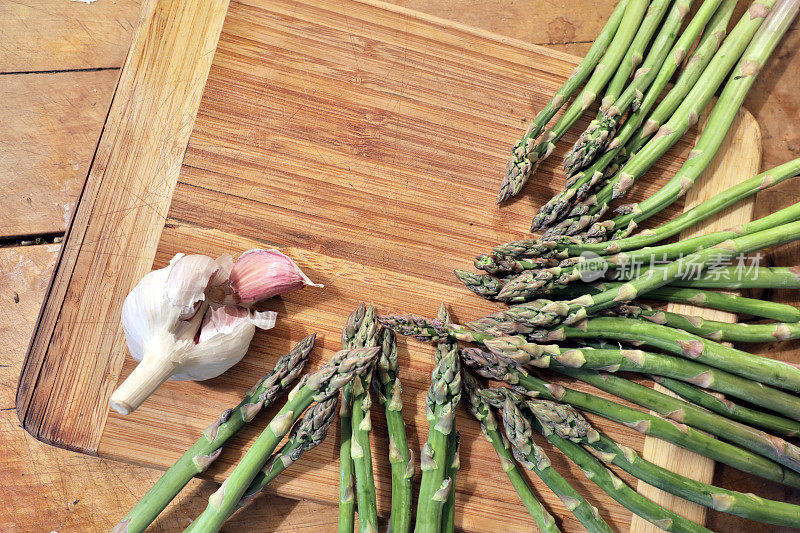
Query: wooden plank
[
  {"x": 739, "y": 158},
  {"x": 51, "y": 126},
  {"x": 43, "y": 35},
  {"x": 112, "y": 239}
]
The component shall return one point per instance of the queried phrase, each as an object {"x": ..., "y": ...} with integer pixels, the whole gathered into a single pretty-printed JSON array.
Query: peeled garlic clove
[{"x": 260, "y": 274}]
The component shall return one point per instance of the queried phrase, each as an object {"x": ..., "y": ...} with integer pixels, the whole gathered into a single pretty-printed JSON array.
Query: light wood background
[{"x": 57, "y": 72}]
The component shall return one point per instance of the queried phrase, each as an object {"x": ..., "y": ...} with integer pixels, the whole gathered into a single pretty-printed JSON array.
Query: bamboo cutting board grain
[{"x": 364, "y": 140}]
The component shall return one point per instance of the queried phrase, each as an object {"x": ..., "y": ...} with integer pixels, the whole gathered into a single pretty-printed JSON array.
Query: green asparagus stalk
[
  {"x": 389, "y": 390},
  {"x": 578, "y": 185},
  {"x": 478, "y": 407},
  {"x": 636, "y": 50},
  {"x": 568, "y": 423},
  {"x": 441, "y": 401},
  {"x": 616, "y": 101},
  {"x": 702, "y": 211},
  {"x": 347, "y": 499},
  {"x": 318, "y": 386},
  {"x": 481, "y": 284},
  {"x": 556, "y": 281},
  {"x": 725, "y": 407},
  {"x": 525, "y": 155},
  {"x": 685, "y": 116},
  {"x": 741, "y": 80},
  {"x": 453, "y": 442},
  {"x": 579, "y": 75},
  {"x": 748, "y": 277},
  {"x": 306, "y": 434},
  {"x": 714, "y": 330},
  {"x": 360, "y": 449},
  {"x": 531, "y": 456},
  {"x": 761, "y": 445},
  {"x": 453, "y": 464},
  {"x": 203, "y": 452},
  {"x": 685, "y": 344},
  {"x": 612, "y": 485},
  {"x": 428, "y": 330}
]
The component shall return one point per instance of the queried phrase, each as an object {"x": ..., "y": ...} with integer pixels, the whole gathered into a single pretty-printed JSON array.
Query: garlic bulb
[{"x": 190, "y": 320}]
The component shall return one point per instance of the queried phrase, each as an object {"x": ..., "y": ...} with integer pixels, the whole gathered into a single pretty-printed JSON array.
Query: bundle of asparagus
[{"x": 607, "y": 159}]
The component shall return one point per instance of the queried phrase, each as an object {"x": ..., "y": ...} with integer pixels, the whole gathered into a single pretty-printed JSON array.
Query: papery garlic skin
[{"x": 223, "y": 341}]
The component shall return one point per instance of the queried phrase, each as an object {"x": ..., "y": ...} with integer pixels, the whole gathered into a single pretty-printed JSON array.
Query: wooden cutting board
[{"x": 364, "y": 140}]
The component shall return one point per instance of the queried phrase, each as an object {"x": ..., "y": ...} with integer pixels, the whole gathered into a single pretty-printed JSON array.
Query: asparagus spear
[
  {"x": 203, "y": 452},
  {"x": 568, "y": 423},
  {"x": 717, "y": 331},
  {"x": 776, "y": 424},
  {"x": 347, "y": 500},
  {"x": 306, "y": 434},
  {"x": 625, "y": 142},
  {"x": 532, "y": 285},
  {"x": 695, "y": 66},
  {"x": 579, "y": 75},
  {"x": 526, "y": 156},
  {"x": 441, "y": 401},
  {"x": 481, "y": 284},
  {"x": 389, "y": 390},
  {"x": 481, "y": 411},
  {"x": 684, "y": 117},
  {"x": 617, "y": 102},
  {"x": 741, "y": 80},
  {"x": 747, "y": 278},
  {"x": 318, "y": 386},
  {"x": 453, "y": 442},
  {"x": 682, "y": 343},
  {"x": 531, "y": 456},
  {"x": 453, "y": 464},
  {"x": 360, "y": 449},
  {"x": 756, "y": 461}
]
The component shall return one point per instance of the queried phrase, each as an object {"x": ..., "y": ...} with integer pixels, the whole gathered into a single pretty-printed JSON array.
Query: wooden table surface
[{"x": 59, "y": 62}]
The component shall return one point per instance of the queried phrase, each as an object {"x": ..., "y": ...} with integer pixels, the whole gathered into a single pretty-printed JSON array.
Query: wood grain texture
[
  {"x": 738, "y": 159},
  {"x": 111, "y": 241},
  {"x": 44, "y": 35},
  {"x": 51, "y": 126}
]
